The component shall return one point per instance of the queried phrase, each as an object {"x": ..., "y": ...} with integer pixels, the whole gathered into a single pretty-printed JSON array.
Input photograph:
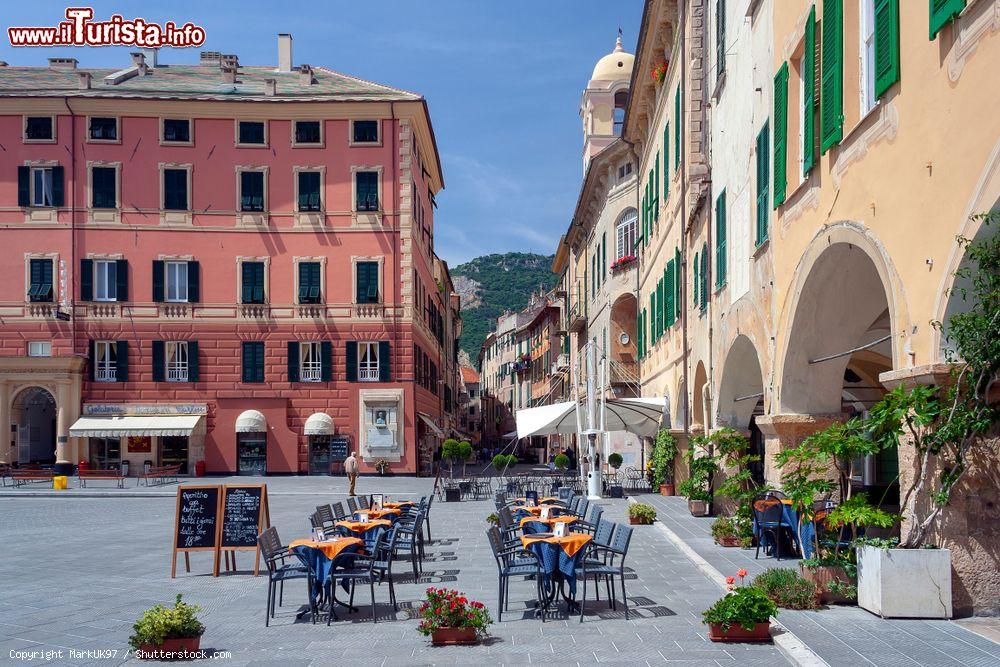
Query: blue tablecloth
[
  {"x": 553, "y": 559},
  {"x": 533, "y": 527},
  {"x": 321, "y": 566},
  {"x": 791, "y": 518},
  {"x": 370, "y": 536}
]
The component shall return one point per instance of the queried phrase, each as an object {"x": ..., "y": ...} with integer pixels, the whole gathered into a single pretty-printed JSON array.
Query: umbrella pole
[{"x": 593, "y": 479}]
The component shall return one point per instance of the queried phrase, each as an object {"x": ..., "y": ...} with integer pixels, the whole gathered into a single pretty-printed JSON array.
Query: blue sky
[{"x": 503, "y": 81}]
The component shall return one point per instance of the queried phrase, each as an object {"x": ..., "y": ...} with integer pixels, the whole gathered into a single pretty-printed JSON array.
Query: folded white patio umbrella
[{"x": 642, "y": 416}]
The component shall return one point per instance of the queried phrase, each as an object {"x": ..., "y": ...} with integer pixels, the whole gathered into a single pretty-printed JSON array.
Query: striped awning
[{"x": 117, "y": 427}]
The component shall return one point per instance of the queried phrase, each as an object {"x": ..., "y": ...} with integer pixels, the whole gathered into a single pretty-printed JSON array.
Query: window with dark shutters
[
  {"x": 809, "y": 97},
  {"x": 104, "y": 129},
  {"x": 175, "y": 189},
  {"x": 38, "y": 128},
  {"x": 251, "y": 132},
  {"x": 24, "y": 186},
  {"x": 103, "y": 187},
  {"x": 780, "y": 133},
  {"x": 704, "y": 276},
  {"x": 886, "y": 45},
  {"x": 367, "y": 282},
  {"x": 366, "y": 190},
  {"x": 194, "y": 281},
  {"x": 832, "y": 75},
  {"x": 696, "y": 282},
  {"x": 159, "y": 361},
  {"x": 720, "y": 240},
  {"x": 252, "y": 191},
  {"x": 678, "y": 282},
  {"x": 177, "y": 129},
  {"x": 293, "y": 361},
  {"x": 365, "y": 131},
  {"x": 253, "y": 361},
  {"x": 121, "y": 362},
  {"x": 668, "y": 289},
  {"x": 252, "y": 282},
  {"x": 942, "y": 12},
  {"x": 351, "y": 356},
  {"x": 384, "y": 361},
  {"x": 677, "y": 128},
  {"x": 158, "y": 281},
  {"x": 193, "y": 366},
  {"x": 326, "y": 361},
  {"x": 86, "y": 280},
  {"x": 763, "y": 175},
  {"x": 307, "y": 132},
  {"x": 40, "y": 288},
  {"x": 309, "y": 282},
  {"x": 309, "y": 182},
  {"x": 121, "y": 280},
  {"x": 720, "y": 38}
]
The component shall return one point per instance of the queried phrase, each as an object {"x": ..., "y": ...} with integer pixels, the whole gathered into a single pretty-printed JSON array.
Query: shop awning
[
  {"x": 430, "y": 424},
  {"x": 117, "y": 427},
  {"x": 251, "y": 421},
  {"x": 319, "y": 423}
]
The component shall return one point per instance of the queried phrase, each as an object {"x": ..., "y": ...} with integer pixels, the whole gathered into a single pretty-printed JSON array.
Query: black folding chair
[
  {"x": 609, "y": 568},
  {"x": 279, "y": 571},
  {"x": 513, "y": 562}
]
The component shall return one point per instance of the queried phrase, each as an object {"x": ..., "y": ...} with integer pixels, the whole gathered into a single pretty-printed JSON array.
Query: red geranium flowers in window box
[{"x": 623, "y": 262}]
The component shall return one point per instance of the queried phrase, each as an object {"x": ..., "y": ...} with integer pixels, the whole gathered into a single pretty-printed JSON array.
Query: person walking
[{"x": 351, "y": 468}]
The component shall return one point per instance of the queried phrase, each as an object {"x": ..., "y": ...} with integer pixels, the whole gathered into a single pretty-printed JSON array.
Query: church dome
[{"x": 615, "y": 66}]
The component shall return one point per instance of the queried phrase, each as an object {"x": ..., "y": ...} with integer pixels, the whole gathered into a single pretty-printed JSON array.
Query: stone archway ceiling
[{"x": 741, "y": 388}]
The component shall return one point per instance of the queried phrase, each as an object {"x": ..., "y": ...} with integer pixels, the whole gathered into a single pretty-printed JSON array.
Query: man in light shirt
[{"x": 351, "y": 468}]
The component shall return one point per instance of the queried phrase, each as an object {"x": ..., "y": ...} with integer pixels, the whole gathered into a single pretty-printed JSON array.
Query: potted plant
[
  {"x": 662, "y": 462},
  {"x": 382, "y": 467},
  {"x": 743, "y": 614},
  {"x": 464, "y": 453},
  {"x": 697, "y": 488},
  {"x": 167, "y": 632},
  {"x": 724, "y": 532},
  {"x": 561, "y": 461},
  {"x": 450, "y": 452},
  {"x": 787, "y": 588},
  {"x": 493, "y": 519},
  {"x": 448, "y": 617},
  {"x": 641, "y": 514},
  {"x": 733, "y": 451},
  {"x": 659, "y": 71}
]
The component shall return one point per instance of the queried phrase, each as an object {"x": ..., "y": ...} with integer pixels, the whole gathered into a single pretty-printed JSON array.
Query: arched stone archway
[
  {"x": 623, "y": 353},
  {"x": 842, "y": 303},
  {"x": 33, "y": 410},
  {"x": 699, "y": 414},
  {"x": 742, "y": 385}
]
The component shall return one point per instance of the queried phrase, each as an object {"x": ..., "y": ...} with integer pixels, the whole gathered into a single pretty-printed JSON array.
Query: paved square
[{"x": 78, "y": 571}]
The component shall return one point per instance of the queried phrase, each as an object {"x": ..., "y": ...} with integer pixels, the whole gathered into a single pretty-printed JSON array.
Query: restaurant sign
[{"x": 147, "y": 409}]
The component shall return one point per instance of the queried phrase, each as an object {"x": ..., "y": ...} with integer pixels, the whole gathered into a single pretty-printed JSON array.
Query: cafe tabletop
[
  {"x": 537, "y": 509},
  {"x": 379, "y": 514},
  {"x": 331, "y": 547},
  {"x": 548, "y": 499},
  {"x": 399, "y": 504},
  {"x": 363, "y": 526},
  {"x": 551, "y": 521},
  {"x": 570, "y": 543}
]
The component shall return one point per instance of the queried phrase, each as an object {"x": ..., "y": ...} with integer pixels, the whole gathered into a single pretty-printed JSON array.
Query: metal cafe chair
[
  {"x": 602, "y": 539},
  {"x": 513, "y": 561},
  {"x": 770, "y": 518},
  {"x": 381, "y": 561},
  {"x": 339, "y": 512},
  {"x": 352, "y": 505},
  {"x": 617, "y": 551},
  {"x": 363, "y": 503},
  {"x": 589, "y": 523},
  {"x": 326, "y": 517},
  {"x": 278, "y": 571}
]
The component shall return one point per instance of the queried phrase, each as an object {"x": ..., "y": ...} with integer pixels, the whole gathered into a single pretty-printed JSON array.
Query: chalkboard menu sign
[
  {"x": 196, "y": 524},
  {"x": 338, "y": 448},
  {"x": 197, "y": 517},
  {"x": 241, "y": 519}
]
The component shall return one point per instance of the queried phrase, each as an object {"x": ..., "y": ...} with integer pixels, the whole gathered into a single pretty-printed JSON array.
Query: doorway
[
  {"x": 174, "y": 452},
  {"x": 35, "y": 410},
  {"x": 319, "y": 454},
  {"x": 251, "y": 454},
  {"x": 105, "y": 453}
]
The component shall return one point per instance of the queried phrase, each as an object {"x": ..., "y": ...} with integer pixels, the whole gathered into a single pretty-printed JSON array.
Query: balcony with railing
[
  {"x": 177, "y": 372},
  {"x": 576, "y": 319},
  {"x": 368, "y": 372},
  {"x": 105, "y": 374},
  {"x": 311, "y": 371}
]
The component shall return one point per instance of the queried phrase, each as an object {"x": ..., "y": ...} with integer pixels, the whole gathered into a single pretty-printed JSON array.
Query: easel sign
[
  {"x": 245, "y": 514},
  {"x": 196, "y": 524}
]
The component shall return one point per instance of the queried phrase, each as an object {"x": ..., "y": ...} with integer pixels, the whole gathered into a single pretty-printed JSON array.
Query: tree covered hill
[{"x": 491, "y": 284}]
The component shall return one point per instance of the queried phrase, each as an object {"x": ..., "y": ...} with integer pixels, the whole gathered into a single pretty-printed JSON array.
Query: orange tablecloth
[
  {"x": 537, "y": 509},
  {"x": 571, "y": 543},
  {"x": 363, "y": 526},
  {"x": 398, "y": 504},
  {"x": 551, "y": 521},
  {"x": 330, "y": 548},
  {"x": 548, "y": 499}
]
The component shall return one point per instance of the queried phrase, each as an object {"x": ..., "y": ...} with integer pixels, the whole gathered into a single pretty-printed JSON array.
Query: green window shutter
[
  {"x": 657, "y": 182},
  {"x": 121, "y": 280},
  {"x": 159, "y": 361},
  {"x": 293, "y": 361},
  {"x": 58, "y": 190},
  {"x": 696, "y": 282},
  {"x": 677, "y": 128},
  {"x": 809, "y": 94},
  {"x": 659, "y": 308},
  {"x": 157, "y": 281},
  {"x": 942, "y": 12},
  {"x": 194, "y": 282},
  {"x": 351, "y": 353},
  {"x": 720, "y": 240},
  {"x": 678, "y": 283},
  {"x": 638, "y": 333},
  {"x": 247, "y": 362},
  {"x": 604, "y": 254},
  {"x": 780, "y": 133},
  {"x": 326, "y": 360},
  {"x": 92, "y": 359},
  {"x": 670, "y": 289},
  {"x": 121, "y": 363},
  {"x": 193, "y": 365},
  {"x": 832, "y": 83},
  {"x": 86, "y": 280},
  {"x": 652, "y": 312},
  {"x": 704, "y": 276},
  {"x": 763, "y": 174},
  {"x": 720, "y": 38},
  {"x": 384, "y": 359},
  {"x": 886, "y": 45},
  {"x": 666, "y": 160},
  {"x": 24, "y": 186}
]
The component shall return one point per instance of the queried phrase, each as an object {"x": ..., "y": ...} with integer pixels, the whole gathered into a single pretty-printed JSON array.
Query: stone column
[
  {"x": 63, "y": 465},
  {"x": 786, "y": 431},
  {"x": 4, "y": 422}
]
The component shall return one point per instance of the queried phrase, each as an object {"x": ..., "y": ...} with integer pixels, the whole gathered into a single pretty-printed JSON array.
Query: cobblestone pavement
[
  {"x": 841, "y": 635},
  {"x": 78, "y": 571}
]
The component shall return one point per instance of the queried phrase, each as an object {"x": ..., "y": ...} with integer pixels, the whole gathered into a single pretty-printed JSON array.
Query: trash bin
[
  {"x": 125, "y": 467},
  {"x": 199, "y": 469},
  {"x": 59, "y": 482},
  {"x": 83, "y": 466},
  {"x": 146, "y": 465}
]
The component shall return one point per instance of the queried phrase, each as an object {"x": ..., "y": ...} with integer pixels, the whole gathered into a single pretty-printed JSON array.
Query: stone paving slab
[
  {"x": 841, "y": 635},
  {"x": 83, "y": 569}
]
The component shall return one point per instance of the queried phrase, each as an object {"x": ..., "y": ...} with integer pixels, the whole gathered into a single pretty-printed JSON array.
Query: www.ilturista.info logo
[{"x": 81, "y": 30}]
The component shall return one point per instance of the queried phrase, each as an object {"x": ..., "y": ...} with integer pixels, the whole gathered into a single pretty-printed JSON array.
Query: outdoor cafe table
[
  {"x": 547, "y": 500},
  {"x": 791, "y": 517},
  {"x": 536, "y": 510},
  {"x": 398, "y": 505},
  {"x": 368, "y": 530},
  {"x": 535, "y": 524},
  {"x": 321, "y": 558},
  {"x": 388, "y": 513},
  {"x": 559, "y": 557}
]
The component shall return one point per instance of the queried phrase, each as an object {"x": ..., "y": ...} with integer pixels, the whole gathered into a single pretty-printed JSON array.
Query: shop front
[
  {"x": 135, "y": 436},
  {"x": 251, "y": 443}
]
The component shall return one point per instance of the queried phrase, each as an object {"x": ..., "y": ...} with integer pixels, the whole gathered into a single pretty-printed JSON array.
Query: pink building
[{"x": 219, "y": 263}]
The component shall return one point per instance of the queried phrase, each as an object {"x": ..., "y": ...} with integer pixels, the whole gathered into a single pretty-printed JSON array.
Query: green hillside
[{"x": 491, "y": 284}]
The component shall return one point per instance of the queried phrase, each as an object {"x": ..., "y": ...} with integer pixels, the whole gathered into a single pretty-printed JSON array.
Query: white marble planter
[{"x": 905, "y": 583}]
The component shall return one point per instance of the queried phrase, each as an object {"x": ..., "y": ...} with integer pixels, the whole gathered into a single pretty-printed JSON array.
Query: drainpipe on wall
[
  {"x": 395, "y": 242},
  {"x": 709, "y": 218},
  {"x": 684, "y": 225}
]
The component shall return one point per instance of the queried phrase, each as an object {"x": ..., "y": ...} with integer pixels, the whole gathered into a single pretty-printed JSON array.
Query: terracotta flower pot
[
  {"x": 450, "y": 636},
  {"x": 729, "y": 541},
  {"x": 636, "y": 521},
  {"x": 698, "y": 507},
  {"x": 760, "y": 633},
  {"x": 666, "y": 489},
  {"x": 823, "y": 576},
  {"x": 174, "y": 645}
]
